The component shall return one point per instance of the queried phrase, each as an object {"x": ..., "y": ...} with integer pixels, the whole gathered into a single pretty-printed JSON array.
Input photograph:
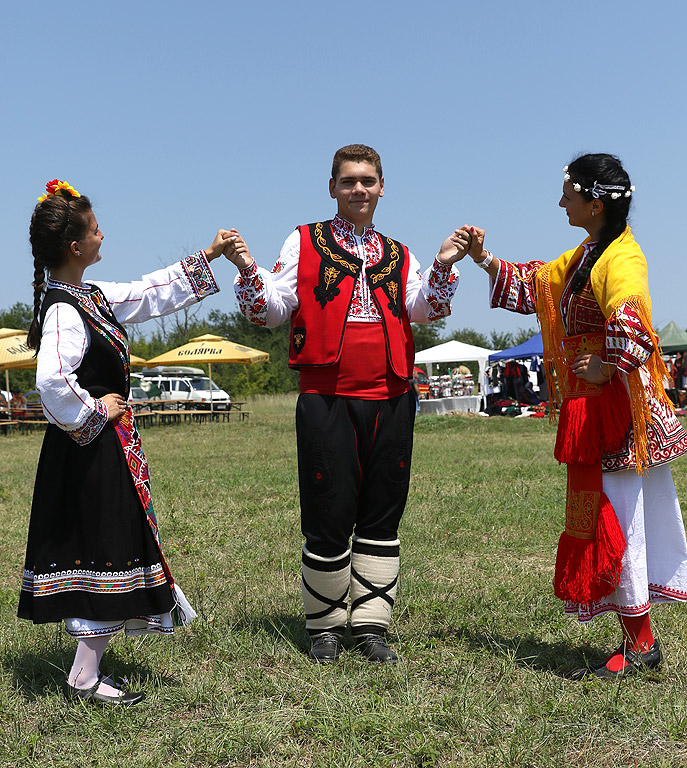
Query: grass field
[{"x": 485, "y": 645}]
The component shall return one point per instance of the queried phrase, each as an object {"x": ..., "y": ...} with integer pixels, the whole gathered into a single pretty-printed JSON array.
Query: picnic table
[
  {"x": 25, "y": 419},
  {"x": 162, "y": 412},
  {"x": 147, "y": 412}
]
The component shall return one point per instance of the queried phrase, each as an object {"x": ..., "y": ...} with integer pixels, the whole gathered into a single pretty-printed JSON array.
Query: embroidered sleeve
[
  {"x": 268, "y": 298},
  {"x": 628, "y": 344},
  {"x": 65, "y": 403},
  {"x": 513, "y": 287},
  {"x": 93, "y": 425},
  {"x": 428, "y": 295},
  {"x": 163, "y": 291}
]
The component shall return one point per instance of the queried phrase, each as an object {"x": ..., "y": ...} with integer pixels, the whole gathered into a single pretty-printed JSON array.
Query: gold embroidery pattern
[
  {"x": 334, "y": 256},
  {"x": 585, "y": 343},
  {"x": 393, "y": 291},
  {"x": 395, "y": 256},
  {"x": 580, "y": 514},
  {"x": 330, "y": 275},
  {"x": 298, "y": 340}
]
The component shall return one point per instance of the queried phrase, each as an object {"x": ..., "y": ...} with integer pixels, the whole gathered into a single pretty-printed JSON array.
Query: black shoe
[
  {"x": 92, "y": 696},
  {"x": 636, "y": 660},
  {"x": 325, "y": 648},
  {"x": 374, "y": 648}
]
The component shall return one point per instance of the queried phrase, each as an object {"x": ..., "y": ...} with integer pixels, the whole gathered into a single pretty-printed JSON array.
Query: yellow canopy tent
[
  {"x": 210, "y": 349},
  {"x": 14, "y": 353}
]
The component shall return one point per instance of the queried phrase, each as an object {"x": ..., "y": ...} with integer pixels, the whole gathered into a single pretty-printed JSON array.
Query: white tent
[{"x": 455, "y": 352}]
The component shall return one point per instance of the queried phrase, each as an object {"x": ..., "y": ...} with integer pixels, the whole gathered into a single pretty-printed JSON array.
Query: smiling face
[
  {"x": 579, "y": 209},
  {"x": 87, "y": 250},
  {"x": 357, "y": 189}
]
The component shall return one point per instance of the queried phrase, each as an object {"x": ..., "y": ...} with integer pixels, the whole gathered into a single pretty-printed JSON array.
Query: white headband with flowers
[{"x": 596, "y": 190}]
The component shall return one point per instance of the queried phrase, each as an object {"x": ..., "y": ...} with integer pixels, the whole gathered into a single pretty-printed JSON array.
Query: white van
[{"x": 180, "y": 382}]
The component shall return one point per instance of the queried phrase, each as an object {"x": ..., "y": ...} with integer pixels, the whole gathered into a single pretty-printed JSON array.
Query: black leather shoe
[
  {"x": 374, "y": 648},
  {"x": 650, "y": 659},
  {"x": 92, "y": 696},
  {"x": 325, "y": 648}
]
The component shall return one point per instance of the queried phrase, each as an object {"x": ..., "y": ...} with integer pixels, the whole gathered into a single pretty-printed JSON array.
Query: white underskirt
[
  {"x": 143, "y": 625},
  {"x": 655, "y": 559},
  {"x": 160, "y": 624}
]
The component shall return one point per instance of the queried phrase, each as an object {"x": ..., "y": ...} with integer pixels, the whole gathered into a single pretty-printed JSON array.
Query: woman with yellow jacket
[{"x": 624, "y": 545}]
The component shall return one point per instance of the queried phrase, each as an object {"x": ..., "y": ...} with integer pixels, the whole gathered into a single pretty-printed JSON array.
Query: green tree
[
  {"x": 524, "y": 334},
  {"x": 428, "y": 335},
  {"x": 19, "y": 316},
  {"x": 470, "y": 336},
  {"x": 272, "y": 376},
  {"x": 500, "y": 340}
]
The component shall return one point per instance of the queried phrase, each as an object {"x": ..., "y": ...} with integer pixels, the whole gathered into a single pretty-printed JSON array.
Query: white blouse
[{"x": 66, "y": 338}]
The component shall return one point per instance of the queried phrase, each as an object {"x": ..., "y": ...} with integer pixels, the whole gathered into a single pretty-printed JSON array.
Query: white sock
[
  {"x": 374, "y": 577},
  {"x": 86, "y": 667},
  {"x": 325, "y": 591}
]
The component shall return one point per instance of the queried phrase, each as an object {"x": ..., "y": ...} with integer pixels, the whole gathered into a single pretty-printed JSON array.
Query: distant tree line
[{"x": 240, "y": 380}]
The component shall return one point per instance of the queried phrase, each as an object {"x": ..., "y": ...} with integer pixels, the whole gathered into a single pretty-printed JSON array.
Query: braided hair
[
  {"x": 55, "y": 223},
  {"x": 587, "y": 170}
]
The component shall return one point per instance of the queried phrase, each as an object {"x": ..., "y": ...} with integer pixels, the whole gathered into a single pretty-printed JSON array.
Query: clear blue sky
[{"x": 178, "y": 118}]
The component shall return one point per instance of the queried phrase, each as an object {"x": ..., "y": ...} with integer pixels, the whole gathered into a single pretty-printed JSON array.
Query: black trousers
[{"x": 353, "y": 468}]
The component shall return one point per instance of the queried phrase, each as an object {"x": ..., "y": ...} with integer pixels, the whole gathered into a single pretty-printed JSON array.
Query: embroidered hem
[
  {"x": 95, "y": 582},
  {"x": 657, "y": 594}
]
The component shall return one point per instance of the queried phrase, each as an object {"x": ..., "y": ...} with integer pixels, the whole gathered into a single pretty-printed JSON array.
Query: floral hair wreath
[
  {"x": 596, "y": 190},
  {"x": 57, "y": 187}
]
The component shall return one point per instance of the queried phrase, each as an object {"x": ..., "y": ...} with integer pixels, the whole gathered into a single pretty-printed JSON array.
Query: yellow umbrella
[
  {"x": 136, "y": 360},
  {"x": 14, "y": 354},
  {"x": 210, "y": 349}
]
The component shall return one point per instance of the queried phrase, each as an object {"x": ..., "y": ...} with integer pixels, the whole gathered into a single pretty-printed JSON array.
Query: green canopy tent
[{"x": 673, "y": 338}]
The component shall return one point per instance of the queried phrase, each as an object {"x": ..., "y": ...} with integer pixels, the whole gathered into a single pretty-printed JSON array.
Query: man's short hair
[{"x": 358, "y": 153}]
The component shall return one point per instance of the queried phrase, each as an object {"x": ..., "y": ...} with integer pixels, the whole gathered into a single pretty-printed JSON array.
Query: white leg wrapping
[
  {"x": 374, "y": 578},
  {"x": 325, "y": 591}
]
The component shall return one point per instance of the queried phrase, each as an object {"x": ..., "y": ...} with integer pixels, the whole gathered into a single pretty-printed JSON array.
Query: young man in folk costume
[{"x": 350, "y": 294}]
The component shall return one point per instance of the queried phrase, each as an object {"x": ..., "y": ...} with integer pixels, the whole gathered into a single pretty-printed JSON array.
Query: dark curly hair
[
  {"x": 586, "y": 170},
  {"x": 55, "y": 223}
]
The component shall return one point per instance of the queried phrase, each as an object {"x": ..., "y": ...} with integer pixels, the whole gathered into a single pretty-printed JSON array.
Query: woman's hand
[
  {"x": 236, "y": 250},
  {"x": 115, "y": 404},
  {"x": 216, "y": 249},
  {"x": 455, "y": 247},
  {"x": 592, "y": 368},
  {"x": 477, "y": 245}
]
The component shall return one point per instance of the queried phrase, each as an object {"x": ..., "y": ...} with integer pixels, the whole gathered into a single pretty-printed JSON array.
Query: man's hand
[{"x": 455, "y": 247}]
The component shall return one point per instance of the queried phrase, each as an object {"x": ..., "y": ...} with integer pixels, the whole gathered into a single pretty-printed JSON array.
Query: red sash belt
[{"x": 594, "y": 420}]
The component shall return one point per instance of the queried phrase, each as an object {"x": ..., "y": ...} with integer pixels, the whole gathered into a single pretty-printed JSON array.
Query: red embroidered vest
[{"x": 326, "y": 281}]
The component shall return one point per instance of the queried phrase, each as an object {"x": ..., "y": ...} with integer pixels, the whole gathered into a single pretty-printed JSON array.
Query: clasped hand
[
  {"x": 229, "y": 243},
  {"x": 460, "y": 242}
]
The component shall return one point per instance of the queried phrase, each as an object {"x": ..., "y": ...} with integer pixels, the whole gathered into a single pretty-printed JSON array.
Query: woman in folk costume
[
  {"x": 93, "y": 556},
  {"x": 624, "y": 541}
]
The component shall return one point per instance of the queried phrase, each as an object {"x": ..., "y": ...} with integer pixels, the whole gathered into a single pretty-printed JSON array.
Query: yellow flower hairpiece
[{"x": 57, "y": 187}]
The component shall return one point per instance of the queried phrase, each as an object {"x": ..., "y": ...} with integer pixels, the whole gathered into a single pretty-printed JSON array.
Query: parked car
[
  {"x": 137, "y": 394},
  {"x": 423, "y": 382},
  {"x": 185, "y": 383}
]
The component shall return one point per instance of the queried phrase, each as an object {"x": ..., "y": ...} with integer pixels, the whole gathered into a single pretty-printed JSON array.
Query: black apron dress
[{"x": 93, "y": 551}]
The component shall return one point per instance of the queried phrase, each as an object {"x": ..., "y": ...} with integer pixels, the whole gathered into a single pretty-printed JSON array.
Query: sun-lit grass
[{"x": 485, "y": 646}]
